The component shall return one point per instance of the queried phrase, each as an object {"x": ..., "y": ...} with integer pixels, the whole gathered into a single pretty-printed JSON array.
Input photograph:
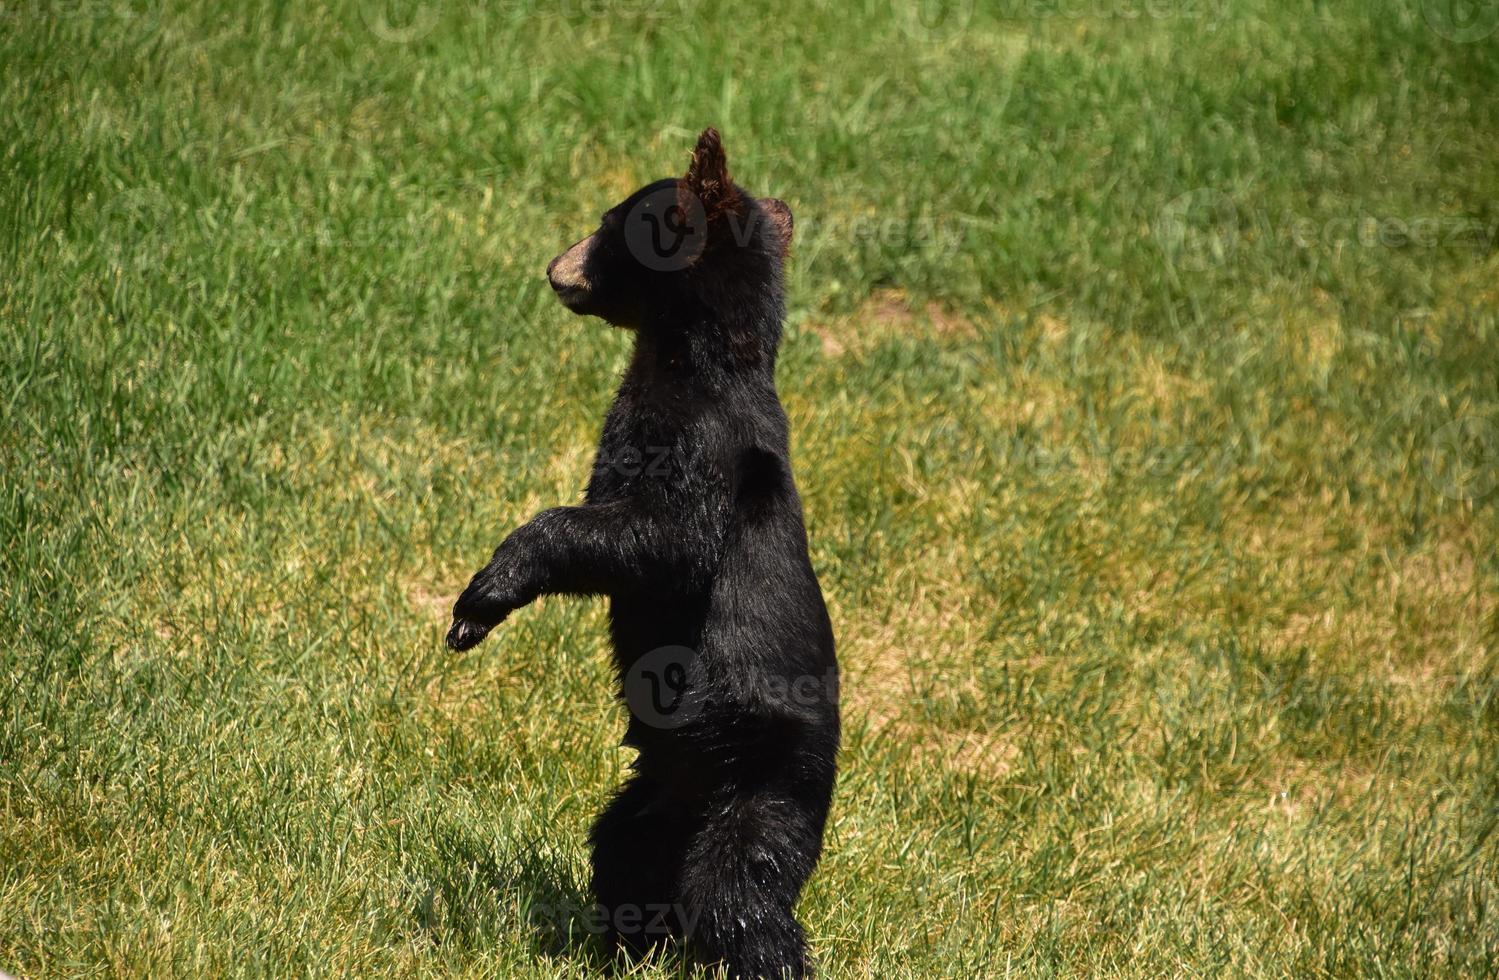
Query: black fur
[{"x": 693, "y": 529}]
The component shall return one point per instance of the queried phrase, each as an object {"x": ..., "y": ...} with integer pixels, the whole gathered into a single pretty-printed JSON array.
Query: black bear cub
[{"x": 692, "y": 527}]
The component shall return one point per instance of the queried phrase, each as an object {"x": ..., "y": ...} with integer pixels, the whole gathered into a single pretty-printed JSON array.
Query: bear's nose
[{"x": 567, "y": 271}]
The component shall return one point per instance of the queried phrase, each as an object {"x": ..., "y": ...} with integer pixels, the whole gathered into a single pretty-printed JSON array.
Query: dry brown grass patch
[{"x": 889, "y": 315}]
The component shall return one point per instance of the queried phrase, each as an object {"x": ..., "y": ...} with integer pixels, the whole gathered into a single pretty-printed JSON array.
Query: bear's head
[{"x": 692, "y": 256}]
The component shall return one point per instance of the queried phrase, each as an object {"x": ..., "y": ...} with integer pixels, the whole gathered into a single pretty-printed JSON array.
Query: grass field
[{"x": 1143, "y": 370}]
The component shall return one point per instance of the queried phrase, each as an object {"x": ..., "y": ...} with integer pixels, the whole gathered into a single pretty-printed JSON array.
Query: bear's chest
[{"x": 644, "y": 452}]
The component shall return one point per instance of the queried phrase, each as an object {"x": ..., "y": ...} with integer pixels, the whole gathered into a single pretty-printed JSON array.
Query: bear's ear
[
  {"x": 779, "y": 216},
  {"x": 708, "y": 179}
]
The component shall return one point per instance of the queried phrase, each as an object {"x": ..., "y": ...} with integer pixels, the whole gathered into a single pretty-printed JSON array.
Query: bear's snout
[{"x": 567, "y": 272}]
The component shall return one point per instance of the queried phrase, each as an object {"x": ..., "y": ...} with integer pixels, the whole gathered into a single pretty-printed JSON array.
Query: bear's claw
[{"x": 466, "y": 634}]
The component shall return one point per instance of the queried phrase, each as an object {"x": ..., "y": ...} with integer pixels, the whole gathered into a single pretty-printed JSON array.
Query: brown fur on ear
[
  {"x": 708, "y": 178},
  {"x": 779, "y": 216}
]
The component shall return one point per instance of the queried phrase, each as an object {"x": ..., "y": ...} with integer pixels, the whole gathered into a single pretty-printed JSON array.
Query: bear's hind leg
[
  {"x": 638, "y": 844},
  {"x": 740, "y": 882}
]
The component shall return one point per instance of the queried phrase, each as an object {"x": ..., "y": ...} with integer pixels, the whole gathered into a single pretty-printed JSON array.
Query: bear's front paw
[
  {"x": 466, "y": 634},
  {"x": 489, "y": 598}
]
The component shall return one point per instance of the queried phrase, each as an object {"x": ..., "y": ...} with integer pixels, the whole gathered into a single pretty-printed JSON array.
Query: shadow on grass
[{"x": 471, "y": 896}]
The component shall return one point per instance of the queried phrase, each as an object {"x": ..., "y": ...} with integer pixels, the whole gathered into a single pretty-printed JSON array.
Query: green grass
[{"x": 1125, "y": 359}]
